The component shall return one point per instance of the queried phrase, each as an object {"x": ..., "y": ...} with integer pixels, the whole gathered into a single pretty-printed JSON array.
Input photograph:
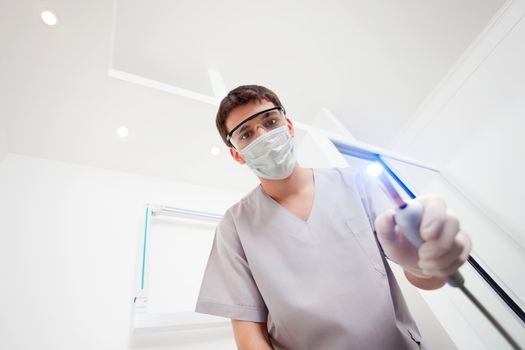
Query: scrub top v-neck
[
  {"x": 320, "y": 283},
  {"x": 285, "y": 210}
]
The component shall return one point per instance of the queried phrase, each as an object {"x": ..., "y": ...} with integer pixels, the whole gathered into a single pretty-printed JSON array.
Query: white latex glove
[{"x": 445, "y": 247}]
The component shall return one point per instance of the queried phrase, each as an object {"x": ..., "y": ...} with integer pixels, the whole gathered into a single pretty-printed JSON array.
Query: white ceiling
[{"x": 371, "y": 63}]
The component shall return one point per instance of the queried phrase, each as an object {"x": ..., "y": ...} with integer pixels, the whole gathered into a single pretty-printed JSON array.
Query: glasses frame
[{"x": 229, "y": 135}]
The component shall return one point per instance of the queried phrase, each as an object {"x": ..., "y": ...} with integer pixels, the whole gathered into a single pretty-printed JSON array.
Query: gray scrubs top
[{"x": 318, "y": 284}]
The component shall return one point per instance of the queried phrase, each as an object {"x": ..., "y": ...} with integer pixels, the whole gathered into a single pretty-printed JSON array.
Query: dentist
[{"x": 299, "y": 262}]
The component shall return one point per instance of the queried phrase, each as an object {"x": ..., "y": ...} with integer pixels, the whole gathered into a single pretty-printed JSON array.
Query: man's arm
[{"x": 251, "y": 335}]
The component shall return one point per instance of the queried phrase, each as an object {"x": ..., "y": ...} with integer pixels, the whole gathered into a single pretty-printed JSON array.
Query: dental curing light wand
[{"x": 408, "y": 216}]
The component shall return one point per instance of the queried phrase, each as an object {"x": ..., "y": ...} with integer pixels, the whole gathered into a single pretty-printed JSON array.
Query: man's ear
[
  {"x": 236, "y": 155},
  {"x": 290, "y": 127}
]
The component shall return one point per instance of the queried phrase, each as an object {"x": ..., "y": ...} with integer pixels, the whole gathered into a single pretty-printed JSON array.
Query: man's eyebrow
[{"x": 242, "y": 128}]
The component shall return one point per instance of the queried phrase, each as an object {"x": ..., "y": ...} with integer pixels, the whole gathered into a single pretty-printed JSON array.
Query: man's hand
[{"x": 445, "y": 247}]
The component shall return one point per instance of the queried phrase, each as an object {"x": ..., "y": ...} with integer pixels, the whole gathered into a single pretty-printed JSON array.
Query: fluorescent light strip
[{"x": 154, "y": 84}]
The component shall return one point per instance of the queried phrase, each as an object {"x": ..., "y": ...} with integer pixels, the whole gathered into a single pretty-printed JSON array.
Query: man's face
[{"x": 240, "y": 113}]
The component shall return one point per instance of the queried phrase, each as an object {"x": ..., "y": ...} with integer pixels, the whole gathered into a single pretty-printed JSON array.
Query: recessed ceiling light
[
  {"x": 49, "y": 18},
  {"x": 215, "y": 151},
  {"x": 122, "y": 131}
]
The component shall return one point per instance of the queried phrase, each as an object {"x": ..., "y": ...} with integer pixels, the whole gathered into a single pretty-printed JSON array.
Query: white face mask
[{"x": 272, "y": 155}]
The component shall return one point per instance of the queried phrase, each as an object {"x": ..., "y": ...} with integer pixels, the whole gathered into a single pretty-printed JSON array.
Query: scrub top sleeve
[{"x": 228, "y": 288}]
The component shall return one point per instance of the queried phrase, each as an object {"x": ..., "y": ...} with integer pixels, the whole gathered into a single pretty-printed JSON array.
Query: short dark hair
[{"x": 238, "y": 97}]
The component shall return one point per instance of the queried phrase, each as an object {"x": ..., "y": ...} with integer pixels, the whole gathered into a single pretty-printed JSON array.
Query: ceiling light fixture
[
  {"x": 49, "y": 18},
  {"x": 122, "y": 131},
  {"x": 215, "y": 151}
]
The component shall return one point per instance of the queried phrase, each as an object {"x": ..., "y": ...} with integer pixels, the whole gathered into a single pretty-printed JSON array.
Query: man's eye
[
  {"x": 245, "y": 136},
  {"x": 270, "y": 122}
]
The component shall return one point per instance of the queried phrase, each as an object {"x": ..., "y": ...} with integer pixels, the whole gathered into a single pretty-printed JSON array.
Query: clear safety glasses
[{"x": 246, "y": 131}]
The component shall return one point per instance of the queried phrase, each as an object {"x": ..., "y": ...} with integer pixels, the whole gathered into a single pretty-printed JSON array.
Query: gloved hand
[{"x": 445, "y": 247}]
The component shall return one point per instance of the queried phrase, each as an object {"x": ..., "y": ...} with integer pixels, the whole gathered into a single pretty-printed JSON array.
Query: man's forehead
[{"x": 240, "y": 113}]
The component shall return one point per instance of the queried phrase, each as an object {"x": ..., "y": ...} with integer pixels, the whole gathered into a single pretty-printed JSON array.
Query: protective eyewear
[{"x": 244, "y": 133}]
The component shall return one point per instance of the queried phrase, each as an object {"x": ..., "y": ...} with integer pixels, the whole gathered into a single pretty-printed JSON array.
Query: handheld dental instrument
[{"x": 407, "y": 216}]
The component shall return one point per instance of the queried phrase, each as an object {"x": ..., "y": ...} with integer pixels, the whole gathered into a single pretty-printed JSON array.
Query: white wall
[
  {"x": 475, "y": 133},
  {"x": 68, "y": 255},
  {"x": 472, "y": 128}
]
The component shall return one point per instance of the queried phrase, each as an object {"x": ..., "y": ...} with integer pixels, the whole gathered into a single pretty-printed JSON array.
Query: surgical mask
[{"x": 272, "y": 155}]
